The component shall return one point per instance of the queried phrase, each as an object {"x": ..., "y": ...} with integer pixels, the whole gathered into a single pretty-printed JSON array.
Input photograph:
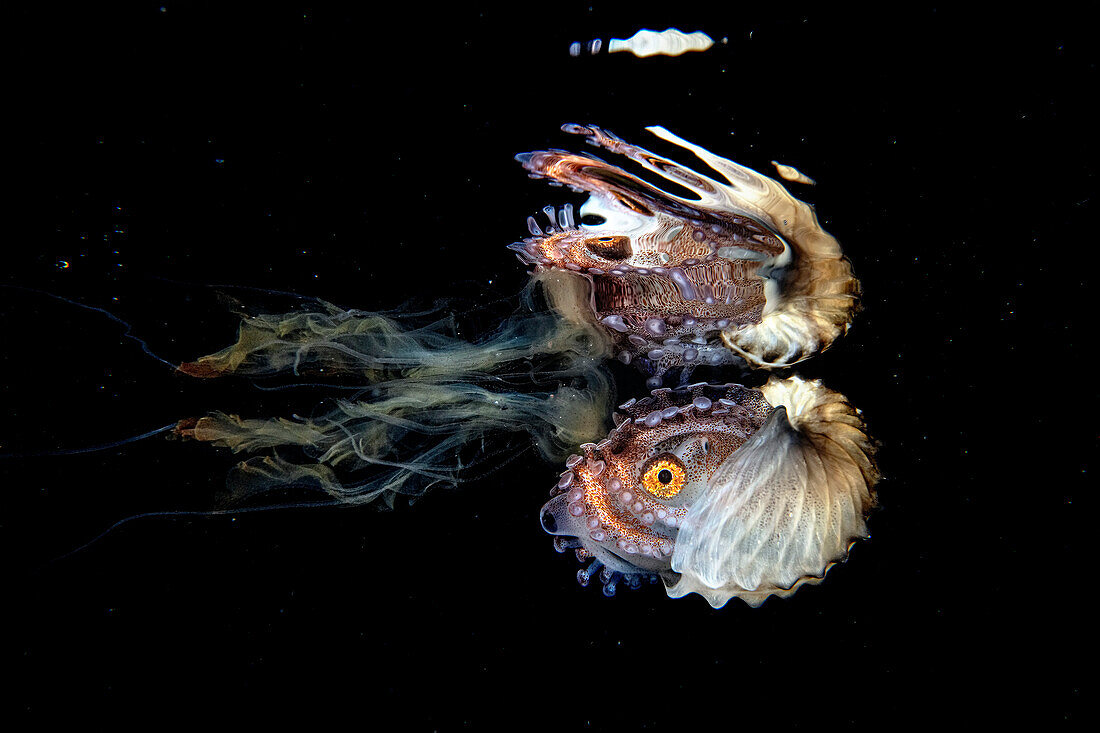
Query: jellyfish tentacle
[{"x": 428, "y": 402}]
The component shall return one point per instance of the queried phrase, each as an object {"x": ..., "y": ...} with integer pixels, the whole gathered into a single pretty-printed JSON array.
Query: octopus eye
[
  {"x": 610, "y": 247},
  {"x": 663, "y": 477}
]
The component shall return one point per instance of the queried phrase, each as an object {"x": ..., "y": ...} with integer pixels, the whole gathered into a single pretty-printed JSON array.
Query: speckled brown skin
[{"x": 642, "y": 306}]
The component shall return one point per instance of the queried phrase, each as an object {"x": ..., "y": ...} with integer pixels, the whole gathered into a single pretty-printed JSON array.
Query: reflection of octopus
[
  {"x": 717, "y": 489},
  {"x": 740, "y": 272}
]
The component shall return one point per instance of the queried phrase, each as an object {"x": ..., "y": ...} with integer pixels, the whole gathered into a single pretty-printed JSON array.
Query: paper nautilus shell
[
  {"x": 720, "y": 490},
  {"x": 738, "y": 272}
]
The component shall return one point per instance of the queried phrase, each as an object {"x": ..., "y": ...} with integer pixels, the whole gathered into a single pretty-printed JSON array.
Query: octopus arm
[{"x": 785, "y": 506}]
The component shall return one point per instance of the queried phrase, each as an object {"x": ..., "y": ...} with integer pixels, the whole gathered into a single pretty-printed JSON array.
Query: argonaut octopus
[{"x": 719, "y": 490}]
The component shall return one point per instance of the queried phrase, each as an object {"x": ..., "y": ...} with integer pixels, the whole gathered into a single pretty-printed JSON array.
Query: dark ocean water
[{"x": 367, "y": 160}]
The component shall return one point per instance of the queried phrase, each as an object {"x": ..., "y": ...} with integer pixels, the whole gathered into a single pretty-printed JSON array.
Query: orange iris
[{"x": 664, "y": 477}]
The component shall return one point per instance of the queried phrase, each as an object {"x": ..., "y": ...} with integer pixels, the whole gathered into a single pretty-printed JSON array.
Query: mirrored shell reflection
[
  {"x": 720, "y": 490},
  {"x": 735, "y": 271}
]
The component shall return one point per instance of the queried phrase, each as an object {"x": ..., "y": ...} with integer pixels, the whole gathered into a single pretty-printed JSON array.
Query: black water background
[{"x": 366, "y": 159}]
